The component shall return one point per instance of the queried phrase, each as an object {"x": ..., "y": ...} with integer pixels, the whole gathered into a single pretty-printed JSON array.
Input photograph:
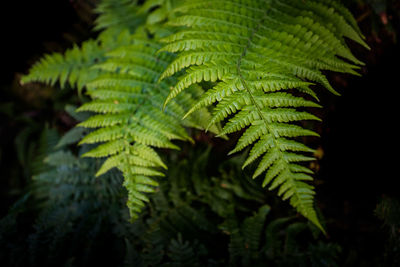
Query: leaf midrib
[{"x": 258, "y": 108}]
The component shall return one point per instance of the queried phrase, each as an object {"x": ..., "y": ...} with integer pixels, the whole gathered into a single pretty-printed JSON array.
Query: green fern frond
[
  {"x": 130, "y": 123},
  {"x": 120, "y": 71},
  {"x": 262, "y": 55},
  {"x": 76, "y": 67},
  {"x": 72, "y": 68}
]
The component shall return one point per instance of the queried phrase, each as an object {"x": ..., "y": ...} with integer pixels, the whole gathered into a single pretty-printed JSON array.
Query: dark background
[{"x": 31, "y": 29}]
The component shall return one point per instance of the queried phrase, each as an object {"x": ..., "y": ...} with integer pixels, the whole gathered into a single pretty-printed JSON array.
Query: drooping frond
[
  {"x": 263, "y": 57},
  {"x": 130, "y": 124}
]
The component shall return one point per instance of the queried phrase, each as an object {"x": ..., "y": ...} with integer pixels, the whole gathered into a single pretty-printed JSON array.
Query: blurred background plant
[{"x": 204, "y": 214}]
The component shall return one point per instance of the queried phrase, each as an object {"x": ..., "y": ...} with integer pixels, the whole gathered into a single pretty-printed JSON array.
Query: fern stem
[
  {"x": 243, "y": 81},
  {"x": 258, "y": 108}
]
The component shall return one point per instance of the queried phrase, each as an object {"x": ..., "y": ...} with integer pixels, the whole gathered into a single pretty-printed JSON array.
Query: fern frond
[
  {"x": 263, "y": 57},
  {"x": 130, "y": 123},
  {"x": 76, "y": 66},
  {"x": 72, "y": 68}
]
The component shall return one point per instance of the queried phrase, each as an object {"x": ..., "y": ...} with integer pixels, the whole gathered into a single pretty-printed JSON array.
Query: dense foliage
[
  {"x": 152, "y": 76},
  {"x": 258, "y": 57},
  {"x": 193, "y": 220}
]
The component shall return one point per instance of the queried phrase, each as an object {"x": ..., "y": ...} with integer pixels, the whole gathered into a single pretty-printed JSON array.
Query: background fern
[
  {"x": 62, "y": 196},
  {"x": 191, "y": 221}
]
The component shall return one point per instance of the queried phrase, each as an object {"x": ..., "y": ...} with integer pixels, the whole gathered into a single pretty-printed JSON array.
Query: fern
[
  {"x": 74, "y": 216},
  {"x": 75, "y": 67},
  {"x": 119, "y": 71},
  {"x": 72, "y": 68},
  {"x": 116, "y": 15},
  {"x": 67, "y": 193},
  {"x": 130, "y": 123},
  {"x": 263, "y": 57},
  {"x": 245, "y": 240},
  {"x": 70, "y": 178},
  {"x": 182, "y": 254}
]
